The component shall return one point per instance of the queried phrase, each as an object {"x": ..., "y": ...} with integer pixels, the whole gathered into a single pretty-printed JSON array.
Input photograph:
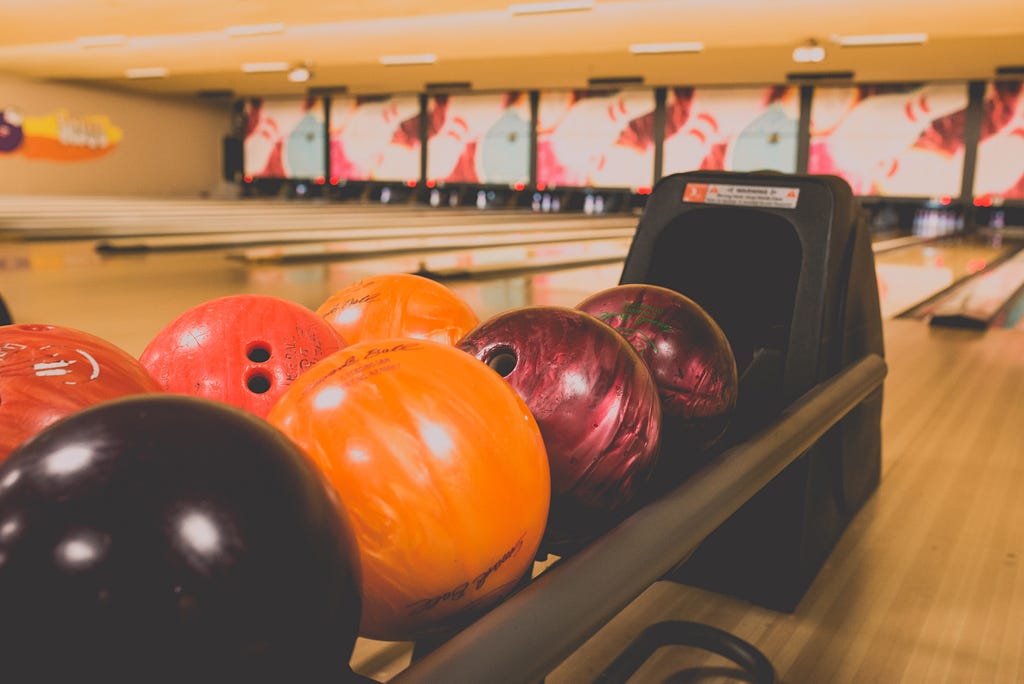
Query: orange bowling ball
[
  {"x": 48, "y": 372},
  {"x": 398, "y": 305},
  {"x": 446, "y": 485}
]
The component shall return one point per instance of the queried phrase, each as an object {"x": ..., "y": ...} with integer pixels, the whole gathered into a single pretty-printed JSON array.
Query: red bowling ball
[
  {"x": 594, "y": 400},
  {"x": 687, "y": 353},
  {"x": 244, "y": 350},
  {"x": 48, "y": 372}
]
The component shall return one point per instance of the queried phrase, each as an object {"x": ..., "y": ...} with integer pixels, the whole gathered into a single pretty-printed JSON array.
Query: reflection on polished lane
[{"x": 910, "y": 275}]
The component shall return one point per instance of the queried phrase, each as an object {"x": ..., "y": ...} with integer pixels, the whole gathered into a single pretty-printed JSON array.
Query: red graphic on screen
[
  {"x": 596, "y": 138},
  {"x": 999, "y": 171},
  {"x": 479, "y": 138},
  {"x": 897, "y": 140},
  {"x": 375, "y": 138},
  {"x": 284, "y": 138},
  {"x": 732, "y": 129}
]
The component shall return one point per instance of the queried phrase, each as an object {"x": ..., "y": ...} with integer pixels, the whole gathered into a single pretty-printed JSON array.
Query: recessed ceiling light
[
  {"x": 882, "y": 39},
  {"x": 809, "y": 54},
  {"x": 399, "y": 60},
  {"x": 299, "y": 74},
  {"x": 112, "y": 40},
  {"x": 549, "y": 7},
  {"x": 147, "y": 72},
  {"x": 664, "y": 48},
  {"x": 264, "y": 67},
  {"x": 253, "y": 29}
]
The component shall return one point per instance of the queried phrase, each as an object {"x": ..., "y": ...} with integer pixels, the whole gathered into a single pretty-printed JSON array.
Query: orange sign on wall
[{"x": 59, "y": 136}]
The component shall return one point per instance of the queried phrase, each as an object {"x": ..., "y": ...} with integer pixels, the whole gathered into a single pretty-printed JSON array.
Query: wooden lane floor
[
  {"x": 128, "y": 299},
  {"x": 69, "y": 218},
  {"x": 911, "y": 274},
  {"x": 452, "y": 225}
]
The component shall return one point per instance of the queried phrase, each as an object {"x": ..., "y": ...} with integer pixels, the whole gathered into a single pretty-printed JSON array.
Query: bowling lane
[
  {"x": 911, "y": 274},
  {"x": 128, "y": 299},
  {"x": 49, "y": 218},
  {"x": 457, "y": 224}
]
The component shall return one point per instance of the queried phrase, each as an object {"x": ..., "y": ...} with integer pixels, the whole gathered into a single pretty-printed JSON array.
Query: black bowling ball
[
  {"x": 5, "y": 315},
  {"x": 169, "y": 538}
]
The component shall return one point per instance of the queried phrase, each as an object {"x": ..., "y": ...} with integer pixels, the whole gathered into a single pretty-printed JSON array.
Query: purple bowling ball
[
  {"x": 11, "y": 133},
  {"x": 595, "y": 402},
  {"x": 688, "y": 355}
]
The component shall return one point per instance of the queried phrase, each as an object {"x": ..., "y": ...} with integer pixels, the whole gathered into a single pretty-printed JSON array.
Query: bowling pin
[{"x": 588, "y": 204}]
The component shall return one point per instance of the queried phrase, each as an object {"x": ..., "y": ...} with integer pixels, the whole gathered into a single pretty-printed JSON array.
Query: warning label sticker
[{"x": 741, "y": 195}]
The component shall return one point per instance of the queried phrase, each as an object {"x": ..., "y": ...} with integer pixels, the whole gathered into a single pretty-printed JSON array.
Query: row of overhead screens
[{"x": 902, "y": 140}]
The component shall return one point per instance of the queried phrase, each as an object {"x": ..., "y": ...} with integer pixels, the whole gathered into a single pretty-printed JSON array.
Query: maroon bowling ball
[
  {"x": 688, "y": 355},
  {"x": 594, "y": 400}
]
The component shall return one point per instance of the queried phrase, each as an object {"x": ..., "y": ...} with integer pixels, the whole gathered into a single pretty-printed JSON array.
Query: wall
[{"x": 169, "y": 147}]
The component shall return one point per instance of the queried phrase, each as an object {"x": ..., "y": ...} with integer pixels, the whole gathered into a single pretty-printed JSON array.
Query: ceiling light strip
[
  {"x": 112, "y": 40},
  {"x": 264, "y": 67},
  {"x": 147, "y": 72},
  {"x": 253, "y": 30},
  {"x": 401, "y": 60},
  {"x": 550, "y": 7},
  {"x": 882, "y": 39},
  {"x": 664, "y": 48}
]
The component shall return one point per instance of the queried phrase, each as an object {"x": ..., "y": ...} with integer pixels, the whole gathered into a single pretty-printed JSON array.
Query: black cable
[{"x": 754, "y": 666}]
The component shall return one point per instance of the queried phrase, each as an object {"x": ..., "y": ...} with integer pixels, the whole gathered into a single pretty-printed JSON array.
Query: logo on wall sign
[{"x": 58, "y": 136}]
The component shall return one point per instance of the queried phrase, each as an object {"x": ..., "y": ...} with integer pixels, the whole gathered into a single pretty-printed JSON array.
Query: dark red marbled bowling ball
[
  {"x": 166, "y": 538},
  {"x": 688, "y": 354},
  {"x": 245, "y": 350},
  {"x": 48, "y": 372},
  {"x": 594, "y": 400}
]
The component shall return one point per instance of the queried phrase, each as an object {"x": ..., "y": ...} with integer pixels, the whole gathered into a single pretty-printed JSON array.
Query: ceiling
[{"x": 482, "y": 43}]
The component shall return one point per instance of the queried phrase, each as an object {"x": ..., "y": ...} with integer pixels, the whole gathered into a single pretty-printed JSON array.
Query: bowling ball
[
  {"x": 398, "y": 305},
  {"x": 48, "y": 372},
  {"x": 441, "y": 469},
  {"x": 171, "y": 538},
  {"x": 5, "y": 315},
  {"x": 688, "y": 354},
  {"x": 594, "y": 400},
  {"x": 12, "y": 135},
  {"x": 244, "y": 350}
]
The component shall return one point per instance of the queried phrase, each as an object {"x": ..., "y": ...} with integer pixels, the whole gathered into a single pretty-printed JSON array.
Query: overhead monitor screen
[
  {"x": 903, "y": 140},
  {"x": 731, "y": 129},
  {"x": 999, "y": 171},
  {"x": 596, "y": 138},
  {"x": 375, "y": 138},
  {"x": 479, "y": 138},
  {"x": 284, "y": 139}
]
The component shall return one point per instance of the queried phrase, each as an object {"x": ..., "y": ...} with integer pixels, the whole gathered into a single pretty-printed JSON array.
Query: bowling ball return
[{"x": 784, "y": 264}]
